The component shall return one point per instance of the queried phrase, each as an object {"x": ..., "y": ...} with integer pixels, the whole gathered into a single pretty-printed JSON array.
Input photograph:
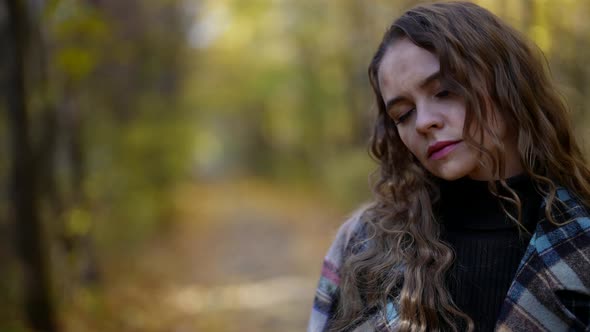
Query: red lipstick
[{"x": 440, "y": 149}]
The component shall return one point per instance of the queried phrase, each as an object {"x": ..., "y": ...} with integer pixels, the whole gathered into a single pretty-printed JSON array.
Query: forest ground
[{"x": 240, "y": 256}]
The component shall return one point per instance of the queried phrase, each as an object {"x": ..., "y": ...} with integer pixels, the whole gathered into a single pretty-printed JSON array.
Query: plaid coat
[{"x": 550, "y": 291}]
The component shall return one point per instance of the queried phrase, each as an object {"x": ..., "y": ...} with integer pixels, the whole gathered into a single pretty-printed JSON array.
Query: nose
[{"x": 428, "y": 118}]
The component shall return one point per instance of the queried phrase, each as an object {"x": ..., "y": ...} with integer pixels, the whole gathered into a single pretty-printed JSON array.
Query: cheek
[
  {"x": 459, "y": 117},
  {"x": 409, "y": 141}
]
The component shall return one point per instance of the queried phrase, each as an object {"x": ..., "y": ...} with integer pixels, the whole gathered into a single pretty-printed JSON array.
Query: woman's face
[{"x": 430, "y": 118}]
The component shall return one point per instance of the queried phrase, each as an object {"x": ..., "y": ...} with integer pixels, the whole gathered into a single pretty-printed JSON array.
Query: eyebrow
[{"x": 432, "y": 77}]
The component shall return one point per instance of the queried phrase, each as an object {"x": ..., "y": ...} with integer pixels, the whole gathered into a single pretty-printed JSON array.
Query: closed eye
[
  {"x": 443, "y": 93},
  {"x": 400, "y": 119}
]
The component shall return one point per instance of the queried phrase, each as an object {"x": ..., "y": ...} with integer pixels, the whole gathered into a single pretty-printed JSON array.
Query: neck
[{"x": 512, "y": 166}]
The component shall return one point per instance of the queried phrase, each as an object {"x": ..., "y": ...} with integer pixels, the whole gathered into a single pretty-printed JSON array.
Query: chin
[
  {"x": 458, "y": 167},
  {"x": 452, "y": 172},
  {"x": 449, "y": 176}
]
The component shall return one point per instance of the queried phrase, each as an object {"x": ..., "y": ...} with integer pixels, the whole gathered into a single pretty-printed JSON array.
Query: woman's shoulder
[
  {"x": 351, "y": 234},
  {"x": 571, "y": 222}
]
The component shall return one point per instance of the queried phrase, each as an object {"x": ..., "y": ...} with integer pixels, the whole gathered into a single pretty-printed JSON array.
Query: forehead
[{"x": 404, "y": 66}]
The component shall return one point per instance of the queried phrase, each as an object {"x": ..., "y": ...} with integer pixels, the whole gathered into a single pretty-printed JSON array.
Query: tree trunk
[{"x": 39, "y": 308}]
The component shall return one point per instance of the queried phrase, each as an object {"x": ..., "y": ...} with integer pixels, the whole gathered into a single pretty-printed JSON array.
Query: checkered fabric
[{"x": 550, "y": 291}]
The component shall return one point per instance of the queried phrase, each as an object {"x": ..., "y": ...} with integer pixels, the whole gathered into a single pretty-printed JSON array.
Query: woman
[{"x": 481, "y": 212}]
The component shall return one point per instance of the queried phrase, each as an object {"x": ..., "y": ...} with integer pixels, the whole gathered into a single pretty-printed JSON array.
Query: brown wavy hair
[{"x": 498, "y": 73}]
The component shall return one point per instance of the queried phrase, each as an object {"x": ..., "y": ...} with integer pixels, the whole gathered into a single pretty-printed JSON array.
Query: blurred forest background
[{"x": 182, "y": 165}]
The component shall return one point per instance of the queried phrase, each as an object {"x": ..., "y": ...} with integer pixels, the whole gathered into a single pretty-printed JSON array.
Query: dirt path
[{"x": 242, "y": 257}]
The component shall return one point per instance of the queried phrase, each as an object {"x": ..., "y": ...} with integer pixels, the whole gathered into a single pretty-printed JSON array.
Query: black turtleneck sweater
[{"x": 488, "y": 245}]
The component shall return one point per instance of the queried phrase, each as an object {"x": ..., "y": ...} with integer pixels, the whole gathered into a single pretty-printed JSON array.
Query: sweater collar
[{"x": 468, "y": 204}]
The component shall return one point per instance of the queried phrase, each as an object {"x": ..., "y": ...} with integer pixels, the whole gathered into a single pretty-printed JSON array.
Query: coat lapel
[{"x": 556, "y": 262}]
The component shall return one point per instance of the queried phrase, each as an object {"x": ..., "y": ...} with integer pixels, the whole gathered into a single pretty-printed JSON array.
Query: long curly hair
[{"x": 498, "y": 73}]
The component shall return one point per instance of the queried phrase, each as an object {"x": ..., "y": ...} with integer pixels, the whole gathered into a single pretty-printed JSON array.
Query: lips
[{"x": 440, "y": 149}]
